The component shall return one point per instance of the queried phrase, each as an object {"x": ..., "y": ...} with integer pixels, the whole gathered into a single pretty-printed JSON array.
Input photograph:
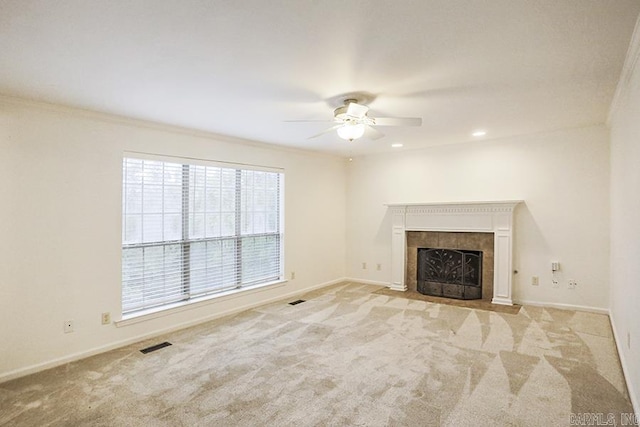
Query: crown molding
[
  {"x": 154, "y": 125},
  {"x": 628, "y": 70}
]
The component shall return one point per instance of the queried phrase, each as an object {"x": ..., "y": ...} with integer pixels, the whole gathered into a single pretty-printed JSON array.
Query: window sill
[{"x": 166, "y": 310}]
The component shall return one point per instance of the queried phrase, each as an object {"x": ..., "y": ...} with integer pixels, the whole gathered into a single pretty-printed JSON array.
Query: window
[{"x": 194, "y": 229}]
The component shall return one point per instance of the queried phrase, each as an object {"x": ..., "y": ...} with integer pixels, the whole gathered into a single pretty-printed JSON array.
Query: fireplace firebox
[{"x": 450, "y": 273}]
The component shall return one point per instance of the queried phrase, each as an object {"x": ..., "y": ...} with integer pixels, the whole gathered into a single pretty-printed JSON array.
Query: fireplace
[
  {"x": 447, "y": 226},
  {"x": 450, "y": 273}
]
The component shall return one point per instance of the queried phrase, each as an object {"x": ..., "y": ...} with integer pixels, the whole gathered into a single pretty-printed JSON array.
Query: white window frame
[{"x": 215, "y": 292}]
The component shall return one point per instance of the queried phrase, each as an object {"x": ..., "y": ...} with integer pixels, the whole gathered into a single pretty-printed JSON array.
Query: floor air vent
[
  {"x": 155, "y": 347},
  {"x": 298, "y": 301}
]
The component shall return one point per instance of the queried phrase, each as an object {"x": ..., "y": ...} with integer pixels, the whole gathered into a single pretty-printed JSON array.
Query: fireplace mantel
[{"x": 481, "y": 216}]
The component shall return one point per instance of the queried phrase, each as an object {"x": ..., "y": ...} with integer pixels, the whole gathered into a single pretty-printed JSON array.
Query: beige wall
[
  {"x": 625, "y": 223},
  {"x": 60, "y": 187},
  {"x": 563, "y": 177}
]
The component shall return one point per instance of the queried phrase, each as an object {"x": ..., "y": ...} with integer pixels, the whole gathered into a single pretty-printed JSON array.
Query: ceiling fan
[{"x": 352, "y": 120}]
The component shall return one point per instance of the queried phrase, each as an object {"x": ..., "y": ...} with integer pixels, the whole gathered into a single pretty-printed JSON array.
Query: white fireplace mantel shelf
[{"x": 478, "y": 216}]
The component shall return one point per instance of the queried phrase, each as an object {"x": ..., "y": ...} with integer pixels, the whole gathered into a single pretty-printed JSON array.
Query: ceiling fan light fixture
[
  {"x": 351, "y": 130},
  {"x": 351, "y": 121}
]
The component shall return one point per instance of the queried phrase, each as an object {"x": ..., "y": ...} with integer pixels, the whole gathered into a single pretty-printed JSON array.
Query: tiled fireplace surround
[
  {"x": 484, "y": 226},
  {"x": 446, "y": 240}
]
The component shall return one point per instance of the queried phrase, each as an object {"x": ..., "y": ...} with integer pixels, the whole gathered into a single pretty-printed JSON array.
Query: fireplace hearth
[{"x": 450, "y": 273}]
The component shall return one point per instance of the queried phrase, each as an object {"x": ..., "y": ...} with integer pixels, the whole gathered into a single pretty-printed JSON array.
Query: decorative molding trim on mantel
[{"x": 480, "y": 216}]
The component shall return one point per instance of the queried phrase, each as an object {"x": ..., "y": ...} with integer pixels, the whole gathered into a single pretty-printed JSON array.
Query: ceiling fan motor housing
[{"x": 340, "y": 113}]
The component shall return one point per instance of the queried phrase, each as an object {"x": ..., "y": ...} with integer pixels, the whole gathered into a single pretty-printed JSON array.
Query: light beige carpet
[{"x": 347, "y": 356}]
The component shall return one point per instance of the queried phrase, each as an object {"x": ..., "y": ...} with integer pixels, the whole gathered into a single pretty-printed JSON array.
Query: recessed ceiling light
[
  {"x": 479, "y": 133},
  {"x": 396, "y": 145}
]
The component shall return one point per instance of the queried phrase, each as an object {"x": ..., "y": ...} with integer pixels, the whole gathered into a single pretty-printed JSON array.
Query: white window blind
[{"x": 190, "y": 230}]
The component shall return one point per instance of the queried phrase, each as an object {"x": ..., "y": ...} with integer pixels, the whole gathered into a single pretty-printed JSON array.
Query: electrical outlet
[
  {"x": 572, "y": 284},
  {"x": 378, "y": 266},
  {"x": 106, "y": 318},
  {"x": 535, "y": 281},
  {"x": 555, "y": 283},
  {"x": 68, "y": 326},
  {"x": 293, "y": 275},
  {"x": 364, "y": 265}
]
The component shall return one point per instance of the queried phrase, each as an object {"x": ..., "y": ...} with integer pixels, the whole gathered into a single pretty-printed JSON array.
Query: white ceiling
[{"x": 241, "y": 68}]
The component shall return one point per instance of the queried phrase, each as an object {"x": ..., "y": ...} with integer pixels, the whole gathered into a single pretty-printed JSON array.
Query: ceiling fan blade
[
  {"x": 397, "y": 121},
  {"x": 373, "y": 133},
  {"x": 332, "y": 128},
  {"x": 308, "y": 121},
  {"x": 356, "y": 110}
]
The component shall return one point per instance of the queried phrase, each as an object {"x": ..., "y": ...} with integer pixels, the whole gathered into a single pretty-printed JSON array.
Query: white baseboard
[
  {"x": 32, "y": 369},
  {"x": 562, "y": 306},
  {"x": 506, "y": 302},
  {"x": 625, "y": 369},
  {"x": 367, "y": 281}
]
